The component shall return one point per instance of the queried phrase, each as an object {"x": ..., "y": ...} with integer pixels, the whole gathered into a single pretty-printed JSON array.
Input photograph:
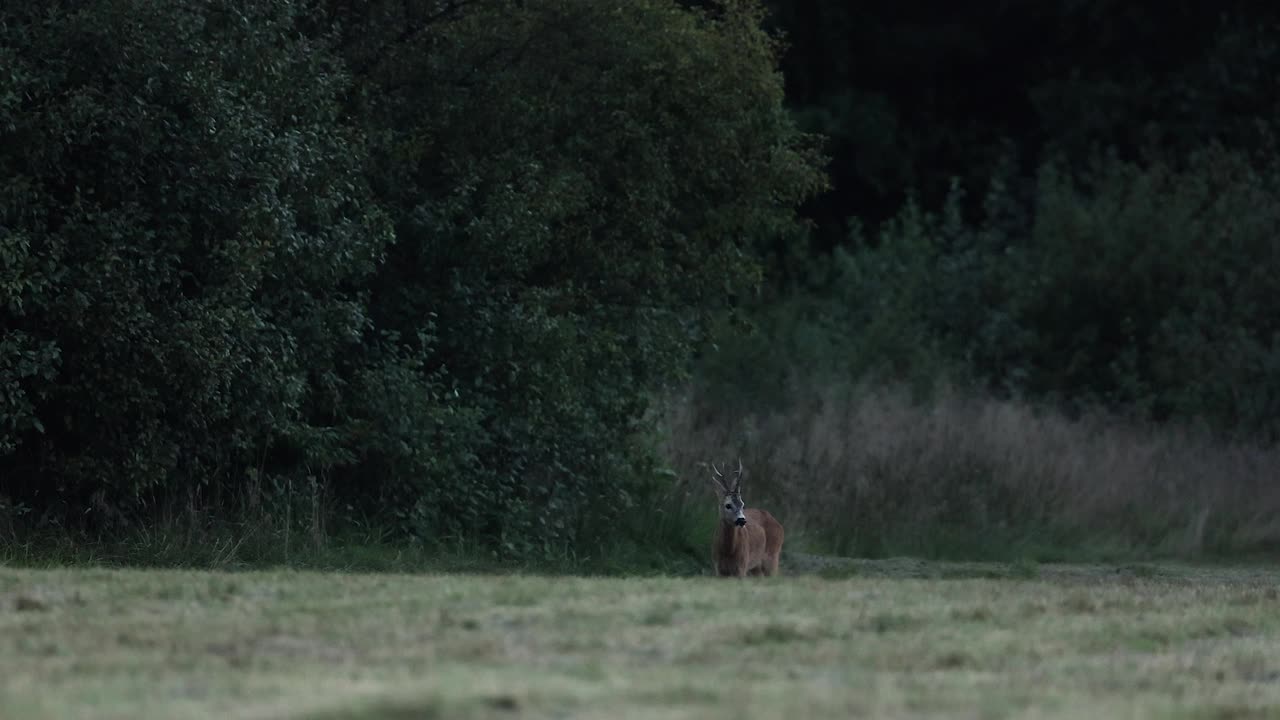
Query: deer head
[{"x": 731, "y": 504}]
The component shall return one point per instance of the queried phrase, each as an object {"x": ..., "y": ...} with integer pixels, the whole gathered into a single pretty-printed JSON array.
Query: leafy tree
[
  {"x": 1143, "y": 287},
  {"x": 1147, "y": 286},
  {"x": 185, "y": 238},
  {"x": 914, "y": 92},
  {"x": 430, "y": 258},
  {"x": 1126, "y": 148},
  {"x": 575, "y": 185}
]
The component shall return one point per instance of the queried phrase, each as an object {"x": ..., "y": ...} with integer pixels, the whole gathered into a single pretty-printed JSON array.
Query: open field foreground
[{"x": 891, "y": 640}]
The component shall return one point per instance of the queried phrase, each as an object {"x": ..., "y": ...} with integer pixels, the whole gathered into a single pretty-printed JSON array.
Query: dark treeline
[
  {"x": 425, "y": 264},
  {"x": 912, "y": 94},
  {"x": 421, "y": 263},
  {"x": 1066, "y": 201}
]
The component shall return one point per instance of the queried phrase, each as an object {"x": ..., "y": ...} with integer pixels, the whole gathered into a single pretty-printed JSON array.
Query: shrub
[
  {"x": 1112, "y": 334},
  {"x": 424, "y": 262},
  {"x": 1148, "y": 287},
  {"x": 575, "y": 187},
  {"x": 1141, "y": 288},
  {"x": 183, "y": 232}
]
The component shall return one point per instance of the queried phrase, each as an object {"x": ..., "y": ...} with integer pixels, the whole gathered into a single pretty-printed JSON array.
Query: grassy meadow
[{"x": 893, "y": 638}]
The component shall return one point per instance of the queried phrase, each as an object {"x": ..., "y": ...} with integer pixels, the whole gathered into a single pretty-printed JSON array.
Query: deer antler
[
  {"x": 718, "y": 479},
  {"x": 737, "y": 478}
]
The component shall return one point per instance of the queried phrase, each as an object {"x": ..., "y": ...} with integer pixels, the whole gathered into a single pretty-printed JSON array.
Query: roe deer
[{"x": 747, "y": 541}]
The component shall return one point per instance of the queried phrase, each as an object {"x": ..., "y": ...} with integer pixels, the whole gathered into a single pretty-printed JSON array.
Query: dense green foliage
[
  {"x": 423, "y": 265},
  {"x": 1038, "y": 314},
  {"x": 573, "y": 188},
  {"x": 913, "y": 93},
  {"x": 186, "y": 237},
  {"x": 1073, "y": 202},
  {"x": 1149, "y": 289},
  {"x": 420, "y": 264}
]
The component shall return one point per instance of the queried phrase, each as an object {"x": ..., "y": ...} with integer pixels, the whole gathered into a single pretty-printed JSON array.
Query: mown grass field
[{"x": 888, "y": 639}]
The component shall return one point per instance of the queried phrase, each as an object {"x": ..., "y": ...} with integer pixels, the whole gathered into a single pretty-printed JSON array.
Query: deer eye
[{"x": 728, "y": 506}]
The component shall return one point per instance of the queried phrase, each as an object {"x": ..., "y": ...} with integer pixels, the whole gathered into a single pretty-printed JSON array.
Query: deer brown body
[{"x": 747, "y": 541}]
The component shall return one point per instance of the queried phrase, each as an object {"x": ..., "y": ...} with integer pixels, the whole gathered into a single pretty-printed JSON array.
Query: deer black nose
[{"x": 740, "y": 522}]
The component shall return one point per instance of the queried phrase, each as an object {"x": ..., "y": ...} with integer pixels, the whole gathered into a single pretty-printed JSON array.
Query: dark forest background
[{"x": 502, "y": 274}]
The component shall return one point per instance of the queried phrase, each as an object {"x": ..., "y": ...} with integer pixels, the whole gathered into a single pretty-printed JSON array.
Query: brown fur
[{"x": 752, "y": 549}]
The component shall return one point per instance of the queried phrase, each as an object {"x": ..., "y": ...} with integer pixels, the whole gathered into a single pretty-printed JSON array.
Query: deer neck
[{"x": 731, "y": 537}]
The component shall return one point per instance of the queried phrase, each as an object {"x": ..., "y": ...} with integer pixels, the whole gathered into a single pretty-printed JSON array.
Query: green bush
[
  {"x": 185, "y": 230},
  {"x": 1151, "y": 287},
  {"x": 1145, "y": 288},
  {"x": 420, "y": 263},
  {"x": 576, "y": 187}
]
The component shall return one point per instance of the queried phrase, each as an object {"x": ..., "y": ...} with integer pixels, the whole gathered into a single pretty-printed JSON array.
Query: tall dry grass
[{"x": 870, "y": 471}]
